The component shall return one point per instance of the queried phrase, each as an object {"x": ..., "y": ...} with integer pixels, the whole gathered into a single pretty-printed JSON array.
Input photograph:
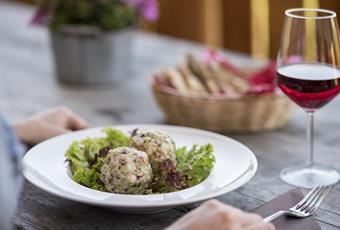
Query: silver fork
[{"x": 306, "y": 207}]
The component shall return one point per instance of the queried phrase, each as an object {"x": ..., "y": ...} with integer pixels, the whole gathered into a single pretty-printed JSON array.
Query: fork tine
[
  {"x": 313, "y": 200},
  {"x": 318, "y": 202},
  {"x": 306, "y": 198}
]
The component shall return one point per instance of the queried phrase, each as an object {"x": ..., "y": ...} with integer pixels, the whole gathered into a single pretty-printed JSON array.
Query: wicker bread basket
[{"x": 248, "y": 114}]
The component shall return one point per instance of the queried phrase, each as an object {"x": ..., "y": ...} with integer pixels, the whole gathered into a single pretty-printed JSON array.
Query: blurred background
[{"x": 250, "y": 26}]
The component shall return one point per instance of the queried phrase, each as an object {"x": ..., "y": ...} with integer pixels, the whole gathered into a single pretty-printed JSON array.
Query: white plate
[{"x": 45, "y": 167}]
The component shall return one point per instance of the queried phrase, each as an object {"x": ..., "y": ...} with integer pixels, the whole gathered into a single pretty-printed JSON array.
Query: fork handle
[{"x": 274, "y": 216}]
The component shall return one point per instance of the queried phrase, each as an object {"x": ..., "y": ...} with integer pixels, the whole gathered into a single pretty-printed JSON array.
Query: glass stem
[{"x": 310, "y": 137}]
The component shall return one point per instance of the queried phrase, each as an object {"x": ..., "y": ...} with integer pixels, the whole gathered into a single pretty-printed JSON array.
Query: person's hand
[
  {"x": 214, "y": 215},
  {"x": 48, "y": 124}
]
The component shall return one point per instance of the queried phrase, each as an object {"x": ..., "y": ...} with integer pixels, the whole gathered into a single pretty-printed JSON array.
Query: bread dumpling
[
  {"x": 158, "y": 145},
  {"x": 126, "y": 171}
]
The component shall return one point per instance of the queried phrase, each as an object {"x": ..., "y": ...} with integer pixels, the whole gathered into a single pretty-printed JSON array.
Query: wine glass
[{"x": 308, "y": 73}]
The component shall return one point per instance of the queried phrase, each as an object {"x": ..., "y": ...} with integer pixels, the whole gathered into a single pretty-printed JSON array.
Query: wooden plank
[
  {"x": 260, "y": 32},
  {"x": 236, "y": 25},
  {"x": 310, "y": 32},
  {"x": 311, "y": 4},
  {"x": 212, "y": 14},
  {"x": 181, "y": 19}
]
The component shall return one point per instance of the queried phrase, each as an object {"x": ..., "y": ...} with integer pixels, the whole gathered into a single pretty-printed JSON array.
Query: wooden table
[{"x": 27, "y": 85}]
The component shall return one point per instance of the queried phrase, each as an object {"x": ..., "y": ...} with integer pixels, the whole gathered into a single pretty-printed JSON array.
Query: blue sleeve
[
  {"x": 13, "y": 147},
  {"x": 11, "y": 151}
]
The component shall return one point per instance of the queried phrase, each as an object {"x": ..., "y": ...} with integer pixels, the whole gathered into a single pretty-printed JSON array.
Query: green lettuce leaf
[
  {"x": 81, "y": 153},
  {"x": 195, "y": 163},
  {"x": 76, "y": 157},
  {"x": 89, "y": 178},
  {"x": 193, "y": 167},
  {"x": 116, "y": 138}
]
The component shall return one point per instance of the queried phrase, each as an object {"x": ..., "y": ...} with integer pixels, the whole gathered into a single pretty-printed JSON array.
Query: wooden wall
[
  {"x": 186, "y": 19},
  {"x": 198, "y": 20},
  {"x": 227, "y": 23}
]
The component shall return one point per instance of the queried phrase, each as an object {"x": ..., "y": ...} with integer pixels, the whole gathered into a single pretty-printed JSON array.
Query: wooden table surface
[{"x": 27, "y": 85}]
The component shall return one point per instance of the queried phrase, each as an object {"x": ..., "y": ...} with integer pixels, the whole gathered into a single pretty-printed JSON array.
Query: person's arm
[
  {"x": 10, "y": 173},
  {"x": 214, "y": 215},
  {"x": 30, "y": 131},
  {"x": 49, "y": 123}
]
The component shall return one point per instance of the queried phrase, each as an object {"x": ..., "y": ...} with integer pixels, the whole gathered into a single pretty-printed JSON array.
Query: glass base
[{"x": 309, "y": 176}]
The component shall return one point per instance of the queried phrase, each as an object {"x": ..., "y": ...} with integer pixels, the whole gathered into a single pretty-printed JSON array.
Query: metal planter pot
[{"x": 85, "y": 55}]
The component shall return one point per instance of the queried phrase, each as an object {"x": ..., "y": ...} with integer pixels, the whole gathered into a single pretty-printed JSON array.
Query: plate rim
[{"x": 236, "y": 183}]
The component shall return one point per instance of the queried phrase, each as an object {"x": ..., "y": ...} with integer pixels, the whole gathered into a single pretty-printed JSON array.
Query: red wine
[{"x": 311, "y": 86}]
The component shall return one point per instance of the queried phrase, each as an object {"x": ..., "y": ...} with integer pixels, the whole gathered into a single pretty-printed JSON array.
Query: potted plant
[{"x": 91, "y": 39}]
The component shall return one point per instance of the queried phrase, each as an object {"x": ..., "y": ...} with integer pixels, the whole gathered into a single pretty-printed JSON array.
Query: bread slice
[
  {"x": 193, "y": 83},
  {"x": 224, "y": 76},
  {"x": 201, "y": 71},
  {"x": 175, "y": 78}
]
